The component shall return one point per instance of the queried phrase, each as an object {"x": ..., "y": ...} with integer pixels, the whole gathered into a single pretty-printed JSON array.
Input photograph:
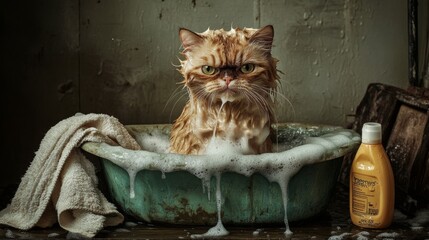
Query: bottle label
[{"x": 366, "y": 193}]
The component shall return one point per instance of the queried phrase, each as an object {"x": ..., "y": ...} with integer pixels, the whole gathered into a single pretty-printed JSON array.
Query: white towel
[{"x": 60, "y": 183}]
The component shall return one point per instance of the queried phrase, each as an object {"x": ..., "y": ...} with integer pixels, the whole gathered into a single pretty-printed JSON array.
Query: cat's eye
[
  {"x": 208, "y": 70},
  {"x": 247, "y": 68}
]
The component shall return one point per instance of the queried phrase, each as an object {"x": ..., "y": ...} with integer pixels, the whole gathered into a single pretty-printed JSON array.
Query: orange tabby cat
[{"x": 231, "y": 77}]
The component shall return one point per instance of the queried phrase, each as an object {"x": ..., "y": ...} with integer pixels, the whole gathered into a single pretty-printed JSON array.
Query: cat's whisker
[
  {"x": 260, "y": 99},
  {"x": 254, "y": 88},
  {"x": 212, "y": 98},
  {"x": 251, "y": 99},
  {"x": 290, "y": 104},
  {"x": 174, "y": 94},
  {"x": 256, "y": 98},
  {"x": 176, "y": 65},
  {"x": 280, "y": 86},
  {"x": 177, "y": 101},
  {"x": 267, "y": 105},
  {"x": 202, "y": 94},
  {"x": 277, "y": 93}
]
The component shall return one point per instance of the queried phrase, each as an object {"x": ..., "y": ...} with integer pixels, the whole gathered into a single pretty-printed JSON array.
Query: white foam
[
  {"x": 219, "y": 230},
  {"x": 9, "y": 234},
  {"x": 216, "y": 231},
  {"x": 53, "y": 235},
  {"x": 227, "y": 145},
  {"x": 130, "y": 224},
  {"x": 257, "y": 232},
  {"x": 360, "y": 237},
  {"x": 276, "y": 167},
  {"x": 339, "y": 237},
  {"x": 218, "y": 145},
  {"x": 217, "y": 117},
  {"x": 226, "y": 154},
  {"x": 156, "y": 141},
  {"x": 417, "y": 228},
  {"x": 364, "y": 235},
  {"x": 388, "y": 235}
]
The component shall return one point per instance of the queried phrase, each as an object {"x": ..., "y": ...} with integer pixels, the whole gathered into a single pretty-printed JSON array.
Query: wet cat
[{"x": 231, "y": 78}]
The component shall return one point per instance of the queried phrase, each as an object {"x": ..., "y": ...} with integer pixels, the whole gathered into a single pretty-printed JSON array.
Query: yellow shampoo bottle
[{"x": 372, "y": 186}]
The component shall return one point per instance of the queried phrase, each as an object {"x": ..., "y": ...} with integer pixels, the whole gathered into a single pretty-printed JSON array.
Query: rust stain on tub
[{"x": 182, "y": 213}]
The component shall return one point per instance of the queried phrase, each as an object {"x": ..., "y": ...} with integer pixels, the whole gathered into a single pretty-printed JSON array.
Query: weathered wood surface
[{"x": 404, "y": 117}]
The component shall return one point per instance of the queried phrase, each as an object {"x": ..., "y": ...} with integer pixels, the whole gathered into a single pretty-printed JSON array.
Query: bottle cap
[{"x": 371, "y": 133}]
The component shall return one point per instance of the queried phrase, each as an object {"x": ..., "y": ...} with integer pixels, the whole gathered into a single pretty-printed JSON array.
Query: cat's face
[{"x": 232, "y": 66}]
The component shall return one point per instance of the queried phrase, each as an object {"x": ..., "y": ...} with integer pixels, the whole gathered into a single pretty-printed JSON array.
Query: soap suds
[
  {"x": 364, "y": 235},
  {"x": 388, "y": 235},
  {"x": 9, "y": 234},
  {"x": 216, "y": 231},
  {"x": 155, "y": 141},
  {"x": 276, "y": 167},
  {"x": 257, "y": 231},
  {"x": 217, "y": 117},
  {"x": 339, "y": 237},
  {"x": 215, "y": 147},
  {"x": 219, "y": 230},
  {"x": 53, "y": 235},
  {"x": 228, "y": 145}
]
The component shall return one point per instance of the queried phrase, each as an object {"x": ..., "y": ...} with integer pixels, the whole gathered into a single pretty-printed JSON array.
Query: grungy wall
[
  {"x": 328, "y": 51},
  {"x": 118, "y": 57}
]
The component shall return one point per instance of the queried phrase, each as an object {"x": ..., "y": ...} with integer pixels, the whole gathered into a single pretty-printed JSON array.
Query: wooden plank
[
  {"x": 425, "y": 180},
  {"x": 404, "y": 143},
  {"x": 379, "y": 104},
  {"x": 419, "y": 184},
  {"x": 404, "y": 116}
]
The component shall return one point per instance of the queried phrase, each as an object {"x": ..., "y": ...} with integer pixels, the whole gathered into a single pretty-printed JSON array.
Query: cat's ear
[
  {"x": 263, "y": 37},
  {"x": 189, "y": 39}
]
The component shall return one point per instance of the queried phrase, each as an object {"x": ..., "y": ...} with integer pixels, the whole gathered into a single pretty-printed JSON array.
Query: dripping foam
[{"x": 222, "y": 156}]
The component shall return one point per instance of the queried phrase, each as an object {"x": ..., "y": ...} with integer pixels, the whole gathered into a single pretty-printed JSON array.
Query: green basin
[{"x": 178, "y": 197}]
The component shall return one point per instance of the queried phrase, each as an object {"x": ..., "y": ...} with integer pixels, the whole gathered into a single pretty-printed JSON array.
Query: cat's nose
[{"x": 227, "y": 78}]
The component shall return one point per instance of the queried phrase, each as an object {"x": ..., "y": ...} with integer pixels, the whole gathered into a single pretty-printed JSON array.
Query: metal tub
[{"x": 178, "y": 197}]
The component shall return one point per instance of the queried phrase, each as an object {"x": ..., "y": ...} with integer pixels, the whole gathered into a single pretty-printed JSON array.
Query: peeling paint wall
[{"x": 118, "y": 57}]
